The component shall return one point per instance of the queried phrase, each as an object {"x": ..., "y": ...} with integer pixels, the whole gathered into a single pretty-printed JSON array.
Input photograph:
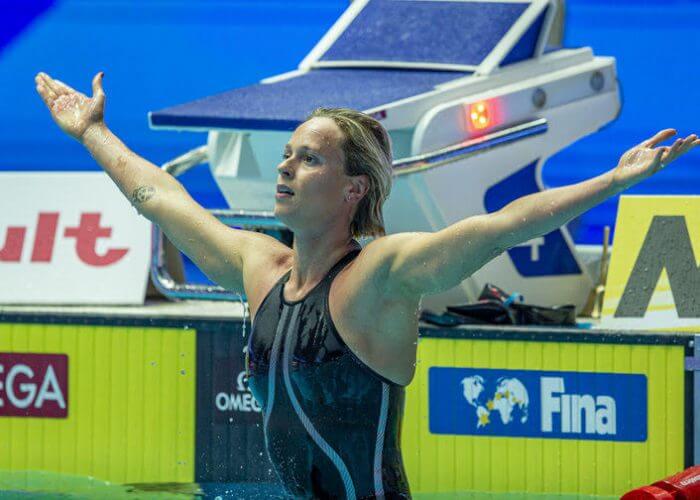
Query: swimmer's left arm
[
  {"x": 427, "y": 263},
  {"x": 539, "y": 213}
]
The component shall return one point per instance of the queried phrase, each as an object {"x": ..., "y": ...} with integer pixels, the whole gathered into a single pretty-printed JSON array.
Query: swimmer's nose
[{"x": 284, "y": 170}]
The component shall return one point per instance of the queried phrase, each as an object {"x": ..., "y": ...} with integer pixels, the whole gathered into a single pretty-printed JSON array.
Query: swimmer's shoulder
[{"x": 376, "y": 264}]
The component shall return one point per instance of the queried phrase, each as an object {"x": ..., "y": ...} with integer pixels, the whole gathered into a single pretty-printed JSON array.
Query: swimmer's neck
[{"x": 314, "y": 255}]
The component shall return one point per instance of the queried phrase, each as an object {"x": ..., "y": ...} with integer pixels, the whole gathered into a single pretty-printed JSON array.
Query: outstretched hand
[
  {"x": 72, "y": 111},
  {"x": 644, "y": 160}
]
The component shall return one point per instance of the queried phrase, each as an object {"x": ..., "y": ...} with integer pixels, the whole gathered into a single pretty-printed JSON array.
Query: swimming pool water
[{"x": 50, "y": 485}]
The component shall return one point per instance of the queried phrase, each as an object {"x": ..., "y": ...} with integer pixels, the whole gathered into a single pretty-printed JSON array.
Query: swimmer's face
[{"x": 313, "y": 166}]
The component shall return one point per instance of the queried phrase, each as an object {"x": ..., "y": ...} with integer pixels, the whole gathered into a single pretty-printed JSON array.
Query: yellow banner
[
  {"x": 125, "y": 411},
  {"x": 654, "y": 277},
  {"x": 444, "y": 463}
]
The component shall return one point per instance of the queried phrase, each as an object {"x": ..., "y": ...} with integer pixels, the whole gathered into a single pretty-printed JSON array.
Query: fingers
[
  {"x": 56, "y": 87},
  {"x": 97, "y": 84},
  {"x": 680, "y": 147},
  {"x": 659, "y": 137},
  {"x": 688, "y": 144},
  {"x": 49, "y": 83},
  {"x": 672, "y": 151},
  {"x": 45, "y": 94},
  {"x": 63, "y": 88},
  {"x": 98, "y": 94},
  {"x": 684, "y": 145},
  {"x": 45, "y": 90},
  {"x": 659, "y": 160}
]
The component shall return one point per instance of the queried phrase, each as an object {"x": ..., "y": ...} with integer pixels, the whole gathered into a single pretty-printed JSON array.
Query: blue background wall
[{"x": 163, "y": 52}]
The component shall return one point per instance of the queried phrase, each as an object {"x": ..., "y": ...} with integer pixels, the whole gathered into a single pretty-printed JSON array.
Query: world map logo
[{"x": 509, "y": 398}]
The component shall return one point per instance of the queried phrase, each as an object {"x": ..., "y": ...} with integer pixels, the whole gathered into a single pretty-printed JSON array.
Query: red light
[{"x": 479, "y": 115}]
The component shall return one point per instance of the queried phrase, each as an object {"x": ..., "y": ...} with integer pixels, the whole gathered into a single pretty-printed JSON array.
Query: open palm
[
  {"x": 644, "y": 160},
  {"x": 72, "y": 111}
]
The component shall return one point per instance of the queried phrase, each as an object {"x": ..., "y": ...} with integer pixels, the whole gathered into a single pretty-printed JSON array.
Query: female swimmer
[{"x": 335, "y": 325}]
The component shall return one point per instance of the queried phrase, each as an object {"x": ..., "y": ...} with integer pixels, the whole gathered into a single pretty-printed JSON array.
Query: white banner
[{"x": 70, "y": 238}]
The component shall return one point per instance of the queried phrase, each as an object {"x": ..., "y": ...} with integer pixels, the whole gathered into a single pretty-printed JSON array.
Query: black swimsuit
[{"x": 331, "y": 424}]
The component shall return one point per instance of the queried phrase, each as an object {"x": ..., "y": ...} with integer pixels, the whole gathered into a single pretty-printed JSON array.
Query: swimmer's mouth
[{"x": 281, "y": 188}]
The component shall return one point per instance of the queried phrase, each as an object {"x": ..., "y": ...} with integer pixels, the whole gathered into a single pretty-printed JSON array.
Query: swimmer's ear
[{"x": 359, "y": 185}]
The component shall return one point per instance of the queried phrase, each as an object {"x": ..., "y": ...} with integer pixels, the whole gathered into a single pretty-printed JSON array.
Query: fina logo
[
  {"x": 597, "y": 412},
  {"x": 533, "y": 403},
  {"x": 510, "y": 397}
]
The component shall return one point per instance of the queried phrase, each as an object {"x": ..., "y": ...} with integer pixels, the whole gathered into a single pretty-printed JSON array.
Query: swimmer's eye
[{"x": 307, "y": 159}]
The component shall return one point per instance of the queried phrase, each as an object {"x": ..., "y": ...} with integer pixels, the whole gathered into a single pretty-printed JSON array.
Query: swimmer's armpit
[{"x": 142, "y": 194}]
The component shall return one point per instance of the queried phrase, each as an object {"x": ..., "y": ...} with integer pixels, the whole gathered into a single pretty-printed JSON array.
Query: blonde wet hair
[{"x": 367, "y": 149}]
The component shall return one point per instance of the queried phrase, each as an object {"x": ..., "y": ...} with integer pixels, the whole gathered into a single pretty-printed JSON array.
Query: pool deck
[{"x": 190, "y": 313}]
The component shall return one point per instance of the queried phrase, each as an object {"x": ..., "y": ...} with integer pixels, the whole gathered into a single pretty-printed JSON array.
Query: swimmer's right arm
[
  {"x": 218, "y": 250},
  {"x": 82, "y": 118}
]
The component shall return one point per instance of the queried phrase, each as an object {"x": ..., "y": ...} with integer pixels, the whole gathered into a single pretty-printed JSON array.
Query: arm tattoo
[{"x": 142, "y": 194}]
